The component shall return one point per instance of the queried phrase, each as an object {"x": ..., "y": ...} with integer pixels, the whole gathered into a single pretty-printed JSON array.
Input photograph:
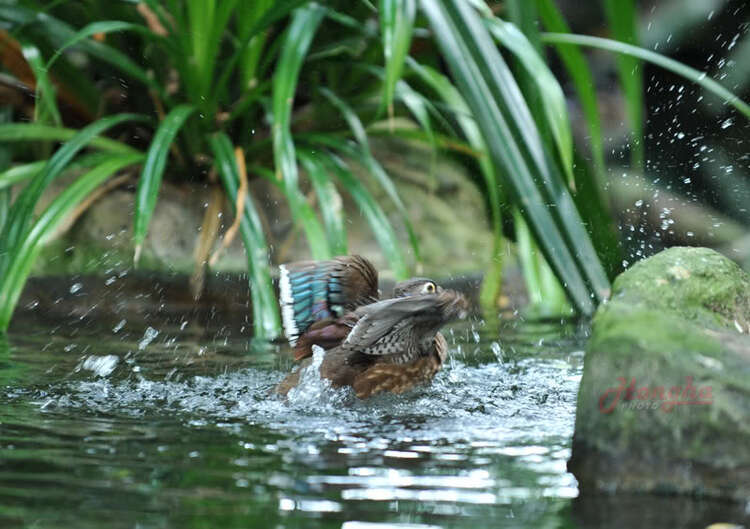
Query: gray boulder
[{"x": 664, "y": 402}]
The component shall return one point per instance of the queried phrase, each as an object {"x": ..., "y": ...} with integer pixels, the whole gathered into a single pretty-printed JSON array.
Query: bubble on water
[{"x": 148, "y": 337}]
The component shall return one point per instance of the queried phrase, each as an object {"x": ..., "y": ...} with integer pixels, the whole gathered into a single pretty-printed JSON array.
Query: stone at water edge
[{"x": 676, "y": 321}]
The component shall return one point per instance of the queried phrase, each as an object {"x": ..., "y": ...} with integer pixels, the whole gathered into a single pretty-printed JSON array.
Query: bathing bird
[{"x": 371, "y": 345}]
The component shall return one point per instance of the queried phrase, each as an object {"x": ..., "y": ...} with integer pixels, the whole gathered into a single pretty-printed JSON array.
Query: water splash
[{"x": 312, "y": 388}]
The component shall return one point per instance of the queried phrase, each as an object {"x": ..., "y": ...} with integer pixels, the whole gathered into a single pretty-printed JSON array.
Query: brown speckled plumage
[{"x": 389, "y": 345}]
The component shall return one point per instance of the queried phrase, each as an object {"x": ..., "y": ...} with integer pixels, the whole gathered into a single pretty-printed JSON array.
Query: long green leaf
[
  {"x": 20, "y": 214},
  {"x": 39, "y": 132},
  {"x": 677, "y": 67},
  {"x": 19, "y": 173},
  {"x": 277, "y": 10},
  {"x": 266, "y": 321},
  {"x": 305, "y": 212},
  {"x": 583, "y": 81},
  {"x": 46, "y": 107},
  {"x": 492, "y": 282},
  {"x": 550, "y": 93},
  {"x": 330, "y": 203},
  {"x": 622, "y": 20},
  {"x": 6, "y": 157},
  {"x": 102, "y": 26},
  {"x": 22, "y": 259},
  {"x": 516, "y": 148},
  {"x": 367, "y": 160},
  {"x": 379, "y": 223},
  {"x": 397, "y": 25},
  {"x": 304, "y": 24},
  {"x": 153, "y": 170}
]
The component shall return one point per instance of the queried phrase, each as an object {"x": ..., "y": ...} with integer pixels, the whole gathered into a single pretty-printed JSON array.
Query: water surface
[{"x": 160, "y": 428}]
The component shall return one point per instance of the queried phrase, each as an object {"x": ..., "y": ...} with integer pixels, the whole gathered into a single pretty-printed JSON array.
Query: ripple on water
[
  {"x": 489, "y": 437},
  {"x": 522, "y": 401}
]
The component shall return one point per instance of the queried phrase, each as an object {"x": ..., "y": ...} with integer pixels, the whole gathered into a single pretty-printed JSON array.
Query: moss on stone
[{"x": 672, "y": 316}]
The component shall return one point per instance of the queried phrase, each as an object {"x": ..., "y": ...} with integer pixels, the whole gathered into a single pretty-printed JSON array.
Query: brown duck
[{"x": 371, "y": 345}]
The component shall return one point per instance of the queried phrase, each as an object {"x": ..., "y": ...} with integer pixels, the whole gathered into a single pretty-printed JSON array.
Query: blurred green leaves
[{"x": 298, "y": 87}]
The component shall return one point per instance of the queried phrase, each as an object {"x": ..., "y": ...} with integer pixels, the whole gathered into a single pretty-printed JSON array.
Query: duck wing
[{"x": 315, "y": 294}]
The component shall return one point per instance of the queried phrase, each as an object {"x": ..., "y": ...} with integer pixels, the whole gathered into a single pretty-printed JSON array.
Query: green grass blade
[
  {"x": 600, "y": 223},
  {"x": 379, "y": 223},
  {"x": 45, "y": 109},
  {"x": 418, "y": 106},
  {"x": 11, "y": 132},
  {"x": 691, "y": 74},
  {"x": 364, "y": 157},
  {"x": 546, "y": 175},
  {"x": 20, "y": 214},
  {"x": 23, "y": 172},
  {"x": 103, "y": 26},
  {"x": 304, "y": 24},
  {"x": 397, "y": 26},
  {"x": 277, "y": 10},
  {"x": 12, "y": 282},
  {"x": 492, "y": 283},
  {"x": 622, "y": 19},
  {"x": 6, "y": 157},
  {"x": 266, "y": 321},
  {"x": 153, "y": 170},
  {"x": 550, "y": 93},
  {"x": 19, "y": 173},
  {"x": 248, "y": 13},
  {"x": 329, "y": 200},
  {"x": 583, "y": 81},
  {"x": 527, "y": 259},
  {"x": 516, "y": 148}
]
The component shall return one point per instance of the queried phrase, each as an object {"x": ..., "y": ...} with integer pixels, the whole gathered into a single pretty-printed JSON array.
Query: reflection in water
[{"x": 185, "y": 433}]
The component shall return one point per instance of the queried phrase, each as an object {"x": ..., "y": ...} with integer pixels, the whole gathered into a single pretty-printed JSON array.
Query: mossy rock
[
  {"x": 697, "y": 284},
  {"x": 675, "y": 333}
]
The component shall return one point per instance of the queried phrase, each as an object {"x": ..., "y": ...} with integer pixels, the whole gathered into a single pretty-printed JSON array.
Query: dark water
[{"x": 128, "y": 428}]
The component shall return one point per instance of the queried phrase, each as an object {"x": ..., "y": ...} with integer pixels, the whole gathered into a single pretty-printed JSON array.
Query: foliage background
[{"x": 293, "y": 91}]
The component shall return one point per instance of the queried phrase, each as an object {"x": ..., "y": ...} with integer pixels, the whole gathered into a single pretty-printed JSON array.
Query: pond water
[{"x": 146, "y": 428}]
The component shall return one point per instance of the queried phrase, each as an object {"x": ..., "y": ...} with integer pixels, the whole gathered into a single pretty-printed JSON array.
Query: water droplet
[
  {"x": 75, "y": 287},
  {"x": 148, "y": 337}
]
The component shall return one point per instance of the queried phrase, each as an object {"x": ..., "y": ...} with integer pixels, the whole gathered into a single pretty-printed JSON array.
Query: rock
[{"x": 664, "y": 402}]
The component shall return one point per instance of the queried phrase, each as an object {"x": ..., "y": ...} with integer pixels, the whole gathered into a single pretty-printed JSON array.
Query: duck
[{"x": 372, "y": 345}]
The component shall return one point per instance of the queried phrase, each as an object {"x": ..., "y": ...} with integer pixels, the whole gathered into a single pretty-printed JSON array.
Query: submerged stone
[{"x": 664, "y": 401}]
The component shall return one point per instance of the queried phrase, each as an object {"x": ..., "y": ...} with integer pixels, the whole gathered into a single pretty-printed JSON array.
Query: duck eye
[{"x": 429, "y": 288}]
